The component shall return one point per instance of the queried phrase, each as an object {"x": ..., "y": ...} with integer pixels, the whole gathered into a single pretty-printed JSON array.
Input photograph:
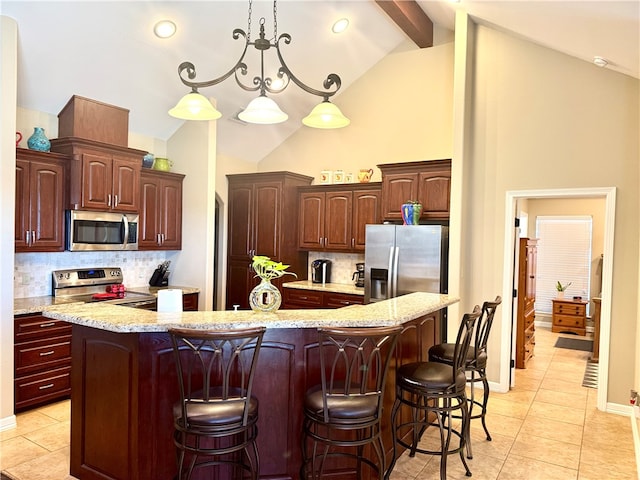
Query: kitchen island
[{"x": 124, "y": 380}]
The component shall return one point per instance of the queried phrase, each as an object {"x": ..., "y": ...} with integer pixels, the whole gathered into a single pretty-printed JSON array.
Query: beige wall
[{"x": 544, "y": 120}]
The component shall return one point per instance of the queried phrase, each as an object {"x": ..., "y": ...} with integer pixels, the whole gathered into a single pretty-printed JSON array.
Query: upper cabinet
[
  {"x": 333, "y": 217},
  {"x": 39, "y": 219},
  {"x": 428, "y": 182},
  {"x": 160, "y": 224},
  {"x": 102, "y": 177}
]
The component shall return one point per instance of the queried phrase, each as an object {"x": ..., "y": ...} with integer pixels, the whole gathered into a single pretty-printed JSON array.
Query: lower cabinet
[
  {"x": 42, "y": 360},
  {"x": 190, "y": 302},
  {"x": 294, "y": 298}
]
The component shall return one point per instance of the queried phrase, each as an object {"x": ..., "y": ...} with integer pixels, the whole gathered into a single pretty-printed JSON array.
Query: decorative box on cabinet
[
  {"x": 160, "y": 224},
  {"x": 429, "y": 182},
  {"x": 103, "y": 177},
  {"x": 525, "y": 328},
  {"x": 333, "y": 217},
  {"x": 297, "y": 298},
  {"x": 42, "y": 360},
  {"x": 569, "y": 316},
  {"x": 39, "y": 202},
  {"x": 263, "y": 220},
  {"x": 85, "y": 118}
]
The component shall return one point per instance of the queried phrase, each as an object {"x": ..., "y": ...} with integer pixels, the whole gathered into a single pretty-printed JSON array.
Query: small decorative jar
[
  {"x": 39, "y": 141},
  {"x": 411, "y": 213}
]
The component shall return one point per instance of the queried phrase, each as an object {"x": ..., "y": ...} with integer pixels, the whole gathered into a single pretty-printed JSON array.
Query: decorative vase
[
  {"x": 560, "y": 294},
  {"x": 411, "y": 213},
  {"x": 265, "y": 297},
  {"x": 39, "y": 141}
]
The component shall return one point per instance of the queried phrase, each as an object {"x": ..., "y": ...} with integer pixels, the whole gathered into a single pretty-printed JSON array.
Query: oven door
[{"x": 101, "y": 231}]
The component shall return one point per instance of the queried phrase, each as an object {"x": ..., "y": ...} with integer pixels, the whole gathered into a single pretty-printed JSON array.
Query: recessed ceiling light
[
  {"x": 340, "y": 25},
  {"x": 601, "y": 62},
  {"x": 164, "y": 29}
]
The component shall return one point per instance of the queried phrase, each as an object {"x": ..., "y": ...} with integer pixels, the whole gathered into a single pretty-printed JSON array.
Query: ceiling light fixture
[
  {"x": 600, "y": 62},
  {"x": 164, "y": 29},
  {"x": 261, "y": 110},
  {"x": 340, "y": 25}
]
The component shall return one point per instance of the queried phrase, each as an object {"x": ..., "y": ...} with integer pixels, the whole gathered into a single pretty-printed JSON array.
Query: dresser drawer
[
  {"x": 568, "y": 321},
  {"x": 39, "y": 354},
  {"x": 32, "y": 327},
  {"x": 569, "y": 308},
  {"x": 42, "y": 387}
]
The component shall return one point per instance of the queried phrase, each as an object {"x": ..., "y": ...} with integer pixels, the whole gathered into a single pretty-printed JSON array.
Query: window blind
[{"x": 564, "y": 255}]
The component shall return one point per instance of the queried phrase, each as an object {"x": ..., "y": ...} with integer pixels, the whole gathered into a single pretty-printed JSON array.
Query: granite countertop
[
  {"x": 114, "y": 318},
  {"x": 326, "y": 287},
  {"x": 30, "y": 305}
]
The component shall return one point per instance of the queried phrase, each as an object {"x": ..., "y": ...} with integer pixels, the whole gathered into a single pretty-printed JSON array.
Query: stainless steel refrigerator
[{"x": 401, "y": 259}]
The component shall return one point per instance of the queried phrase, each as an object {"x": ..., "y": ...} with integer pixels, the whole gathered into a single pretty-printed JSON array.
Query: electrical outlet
[{"x": 633, "y": 397}]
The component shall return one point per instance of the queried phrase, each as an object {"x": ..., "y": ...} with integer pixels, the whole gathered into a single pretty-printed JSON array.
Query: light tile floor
[{"x": 546, "y": 428}]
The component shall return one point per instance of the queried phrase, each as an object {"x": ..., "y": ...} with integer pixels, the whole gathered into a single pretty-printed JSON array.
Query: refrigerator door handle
[
  {"x": 395, "y": 271},
  {"x": 390, "y": 274}
]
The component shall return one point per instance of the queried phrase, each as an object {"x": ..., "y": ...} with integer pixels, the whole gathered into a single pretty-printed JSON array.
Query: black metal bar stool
[
  {"x": 215, "y": 419},
  {"x": 475, "y": 364},
  {"x": 432, "y": 389},
  {"x": 343, "y": 413}
]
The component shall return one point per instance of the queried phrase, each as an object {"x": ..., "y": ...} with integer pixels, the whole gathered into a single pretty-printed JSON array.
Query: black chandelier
[{"x": 262, "y": 109}]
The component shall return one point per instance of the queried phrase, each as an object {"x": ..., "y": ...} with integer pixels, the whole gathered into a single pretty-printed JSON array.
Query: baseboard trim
[{"x": 8, "y": 423}]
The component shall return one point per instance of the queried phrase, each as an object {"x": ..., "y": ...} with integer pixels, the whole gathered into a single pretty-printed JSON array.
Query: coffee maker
[
  {"x": 358, "y": 275},
  {"x": 321, "y": 271}
]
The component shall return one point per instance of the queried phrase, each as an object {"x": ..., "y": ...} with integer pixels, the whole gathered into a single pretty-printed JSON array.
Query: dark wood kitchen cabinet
[
  {"x": 263, "y": 220},
  {"x": 42, "y": 360},
  {"x": 526, "y": 315},
  {"x": 333, "y": 218},
  {"x": 298, "y": 298},
  {"x": 160, "y": 223},
  {"x": 39, "y": 202},
  {"x": 103, "y": 177},
  {"x": 429, "y": 182}
]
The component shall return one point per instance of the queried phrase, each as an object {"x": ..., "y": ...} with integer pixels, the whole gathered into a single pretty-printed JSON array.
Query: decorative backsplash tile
[
  {"x": 343, "y": 265},
  {"x": 32, "y": 271}
]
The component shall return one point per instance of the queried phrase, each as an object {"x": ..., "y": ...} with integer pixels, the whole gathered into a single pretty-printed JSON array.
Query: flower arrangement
[
  {"x": 268, "y": 269},
  {"x": 562, "y": 288}
]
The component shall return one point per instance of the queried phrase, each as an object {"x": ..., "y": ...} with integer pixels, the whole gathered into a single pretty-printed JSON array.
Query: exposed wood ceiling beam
[{"x": 410, "y": 17}]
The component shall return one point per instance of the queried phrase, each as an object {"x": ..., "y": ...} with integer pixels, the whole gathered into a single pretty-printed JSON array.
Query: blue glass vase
[
  {"x": 39, "y": 141},
  {"x": 411, "y": 213}
]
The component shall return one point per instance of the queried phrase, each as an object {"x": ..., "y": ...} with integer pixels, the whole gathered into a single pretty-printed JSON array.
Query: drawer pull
[
  {"x": 304, "y": 298},
  {"x": 44, "y": 387},
  {"x": 50, "y": 352},
  {"x": 47, "y": 325}
]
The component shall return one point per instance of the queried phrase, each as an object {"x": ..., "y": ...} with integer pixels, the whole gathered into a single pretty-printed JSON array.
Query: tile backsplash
[
  {"x": 32, "y": 271},
  {"x": 342, "y": 265}
]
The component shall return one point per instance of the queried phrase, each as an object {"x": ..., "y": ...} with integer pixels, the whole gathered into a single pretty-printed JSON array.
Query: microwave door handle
[{"x": 126, "y": 230}]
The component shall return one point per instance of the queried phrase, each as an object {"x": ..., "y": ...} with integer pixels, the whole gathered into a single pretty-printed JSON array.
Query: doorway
[{"x": 512, "y": 197}]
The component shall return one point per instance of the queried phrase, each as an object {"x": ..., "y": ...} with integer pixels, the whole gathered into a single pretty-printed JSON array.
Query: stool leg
[
  {"x": 471, "y": 403},
  {"x": 444, "y": 443},
  {"x": 465, "y": 434},
  {"x": 485, "y": 386},
  {"x": 394, "y": 436}
]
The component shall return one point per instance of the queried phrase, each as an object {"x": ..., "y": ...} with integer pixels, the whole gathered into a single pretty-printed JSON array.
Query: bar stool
[
  {"x": 215, "y": 419},
  {"x": 432, "y": 389},
  {"x": 344, "y": 411},
  {"x": 475, "y": 364}
]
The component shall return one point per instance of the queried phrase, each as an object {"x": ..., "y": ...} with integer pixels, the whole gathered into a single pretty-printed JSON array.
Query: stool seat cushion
[
  {"x": 343, "y": 408},
  {"x": 443, "y": 353},
  {"x": 215, "y": 413},
  {"x": 431, "y": 376}
]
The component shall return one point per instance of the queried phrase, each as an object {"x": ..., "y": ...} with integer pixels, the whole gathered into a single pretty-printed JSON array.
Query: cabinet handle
[
  {"x": 47, "y": 325},
  {"x": 320, "y": 241},
  {"x": 50, "y": 352},
  {"x": 28, "y": 237},
  {"x": 158, "y": 239},
  {"x": 115, "y": 201},
  {"x": 33, "y": 237},
  {"x": 304, "y": 298},
  {"x": 44, "y": 387},
  {"x": 353, "y": 243},
  {"x": 109, "y": 200}
]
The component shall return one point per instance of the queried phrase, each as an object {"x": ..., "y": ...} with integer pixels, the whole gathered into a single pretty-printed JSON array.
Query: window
[{"x": 564, "y": 255}]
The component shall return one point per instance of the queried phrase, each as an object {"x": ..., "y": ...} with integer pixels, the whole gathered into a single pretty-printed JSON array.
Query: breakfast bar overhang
[{"x": 124, "y": 379}]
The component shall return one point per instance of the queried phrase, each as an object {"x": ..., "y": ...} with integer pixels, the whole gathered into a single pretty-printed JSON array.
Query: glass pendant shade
[
  {"x": 326, "y": 115},
  {"x": 194, "y": 106},
  {"x": 262, "y": 110}
]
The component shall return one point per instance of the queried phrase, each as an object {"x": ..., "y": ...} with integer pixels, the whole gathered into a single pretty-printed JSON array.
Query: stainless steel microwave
[{"x": 87, "y": 231}]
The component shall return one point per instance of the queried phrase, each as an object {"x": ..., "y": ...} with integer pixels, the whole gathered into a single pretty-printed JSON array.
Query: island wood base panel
[{"x": 124, "y": 386}]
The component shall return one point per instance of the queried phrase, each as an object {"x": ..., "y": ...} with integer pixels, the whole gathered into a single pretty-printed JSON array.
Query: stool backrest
[
  {"x": 463, "y": 340},
  {"x": 354, "y": 363},
  {"x": 484, "y": 324},
  {"x": 216, "y": 366}
]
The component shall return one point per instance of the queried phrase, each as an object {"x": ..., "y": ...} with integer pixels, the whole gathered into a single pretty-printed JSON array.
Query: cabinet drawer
[
  {"x": 568, "y": 321},
  {"x": 529, "y": 336},
  {"x": 578, "y": 309},
  {"x": 50, "y": 353},
  {"x": 304, "y": 298},
  {"x": 36, "y": 326},
  {"x": 190, "y": 302},
  {"x": 337, "y": 300},
  {"x": 42, "y": 387}
]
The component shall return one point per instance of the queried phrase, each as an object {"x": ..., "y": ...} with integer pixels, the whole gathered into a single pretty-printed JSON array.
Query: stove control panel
[{"x": 86, "y": 277}]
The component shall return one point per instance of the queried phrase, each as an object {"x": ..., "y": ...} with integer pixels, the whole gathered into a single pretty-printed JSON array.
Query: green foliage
[
  {"x": 267, "y": 269},
  {"x": 562, "y": 288}
]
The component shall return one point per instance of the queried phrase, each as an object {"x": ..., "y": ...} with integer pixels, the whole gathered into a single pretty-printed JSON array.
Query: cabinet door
[
  {"x": 366, "y": 210},
  {"x": 397, "y": 188},
  {"x": 434, "y": 192},
  {"x": 171, "y": 214},
  {"x": 46, "y": 194},
  {"x": 312, "y": 220},
  {"x": 338, "y": 217},
  {"x": 96, "y": 181},
  {"x": 240, "y": 281},
  {"x": 22, "y": 225},
  {"x": 267, "y": 221},
  {"x": 149, "y": 221},
  {"x": 240, "y": 226},
  {"x": 126, "y": 184}
]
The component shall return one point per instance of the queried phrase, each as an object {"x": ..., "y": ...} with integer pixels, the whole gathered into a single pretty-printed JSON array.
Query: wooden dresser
[
  {"x": 525, "y": 333},
  {"x": 569, "y": 316}
]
